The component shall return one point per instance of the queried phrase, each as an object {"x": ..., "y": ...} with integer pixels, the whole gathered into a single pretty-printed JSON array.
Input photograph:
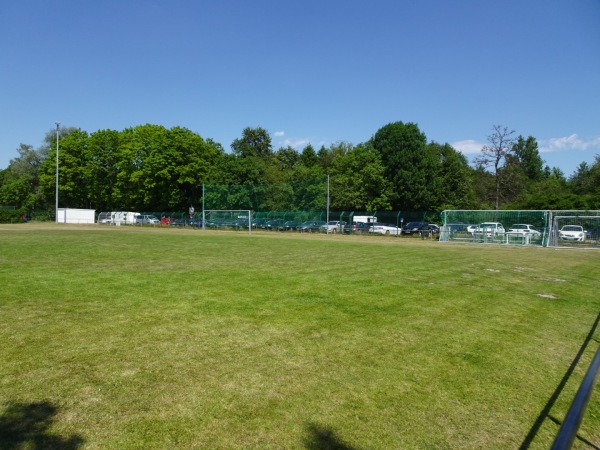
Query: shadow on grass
[
  {"x": 545, "y": 414},
  {"x": 319, "y": 438},
  {"x": 25, "y": 425}
]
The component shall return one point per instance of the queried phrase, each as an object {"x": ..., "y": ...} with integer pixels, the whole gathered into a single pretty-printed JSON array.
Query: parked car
[
  {"x": 310, "y": 226},
  {"x": 146, "y": 219},
  {"x": 455, "y": 227},
  {"x": 289, "y": 225},
  {"x": 434, "y": 228},
  {"x": 489, "y": 229},
  {"x": 524, "y": 228},
  {"x": 592, "y": 233},
  {"x": 215, "y": 223},
  {"x": 333, "y": 226},
  {"x": 273, "y": 224},
  {"x": 359, "y": 227},
  {"x": 259, "y": 223},
  {"x": 384, "y": 228},
  {"x": 572, "y": 233},
  {"x": 179, "y": 223},
  {"x": 239, "y": 224},
  {"x": 471, "y": 228},
  {"x": 415, "y": 227}
]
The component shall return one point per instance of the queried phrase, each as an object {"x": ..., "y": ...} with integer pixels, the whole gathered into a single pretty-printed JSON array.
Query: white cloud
[
  {"x": 296, "y": 143},
  {"x": 572, "y": 142},
  {"x": 468, "y": 146}
]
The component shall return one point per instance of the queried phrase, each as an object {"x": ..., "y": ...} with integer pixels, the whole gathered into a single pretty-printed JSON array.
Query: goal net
[{"x": 574, "y": 230}]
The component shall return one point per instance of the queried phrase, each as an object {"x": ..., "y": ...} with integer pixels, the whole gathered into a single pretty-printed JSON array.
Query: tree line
[{"x": 152, "y": 168}]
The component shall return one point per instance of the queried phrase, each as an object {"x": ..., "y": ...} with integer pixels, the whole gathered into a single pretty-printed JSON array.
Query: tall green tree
[
  {"x": 408, "y": 164},
  {"x": 309, "y": 157},
  {"x": 254, "y": 142},
  {"x": 20, "y": 181},
  {"x": 528, "y": 157},
  {"x": 104, "y": 161},
  {"x": 453, "y": 181},
  {"x": 358, "y": 182}
]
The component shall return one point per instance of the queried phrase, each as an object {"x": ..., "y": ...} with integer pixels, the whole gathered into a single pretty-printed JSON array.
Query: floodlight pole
[
  {"x": 327, "y": 226},
  {"x": 203, "y": 214},
  {"x": 56, "y": 196}
]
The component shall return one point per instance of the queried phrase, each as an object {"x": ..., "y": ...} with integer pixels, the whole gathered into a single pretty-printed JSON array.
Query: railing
[{"x": 568, "y": 430}]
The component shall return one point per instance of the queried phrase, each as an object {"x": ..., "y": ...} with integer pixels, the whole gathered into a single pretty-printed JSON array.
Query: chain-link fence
[{"x": 522, "y": 227}]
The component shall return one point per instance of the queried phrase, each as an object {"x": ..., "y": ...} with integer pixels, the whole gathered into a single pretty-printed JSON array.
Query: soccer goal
[
  {"x": 575, "y": 231},
  {"x": 227, "y": 219}
]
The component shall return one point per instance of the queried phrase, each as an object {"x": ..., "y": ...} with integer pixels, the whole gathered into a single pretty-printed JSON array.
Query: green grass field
[{"x": 117, "y": 338}]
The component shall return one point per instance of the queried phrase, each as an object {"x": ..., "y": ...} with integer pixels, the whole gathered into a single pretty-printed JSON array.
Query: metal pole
[
  {"x": 568, "y": 430},
  {"x": 327, "y": 226},
  {"x": 56, "y": 196},
  {"x": 203, "y": 215}
]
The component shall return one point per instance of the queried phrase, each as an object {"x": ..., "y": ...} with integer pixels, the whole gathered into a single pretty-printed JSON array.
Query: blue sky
[{"x": 309, "y": 72}]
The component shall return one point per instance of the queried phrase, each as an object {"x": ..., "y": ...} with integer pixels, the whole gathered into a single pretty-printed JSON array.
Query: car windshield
[{"x": 572, "y": 228}]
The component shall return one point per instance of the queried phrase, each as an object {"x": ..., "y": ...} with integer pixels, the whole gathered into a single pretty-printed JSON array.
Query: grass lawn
[{"x": 117, "y": 338}]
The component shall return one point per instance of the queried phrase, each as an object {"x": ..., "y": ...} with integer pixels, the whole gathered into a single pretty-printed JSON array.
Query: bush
[{"x": 11, "y": 215}]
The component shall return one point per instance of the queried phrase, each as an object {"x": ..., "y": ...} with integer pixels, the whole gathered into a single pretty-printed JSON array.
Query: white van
[{"x": 364, "y": 219}]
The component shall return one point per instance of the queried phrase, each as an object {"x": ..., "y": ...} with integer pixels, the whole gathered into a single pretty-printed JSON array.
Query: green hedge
[{"x": 11, "y": 215}]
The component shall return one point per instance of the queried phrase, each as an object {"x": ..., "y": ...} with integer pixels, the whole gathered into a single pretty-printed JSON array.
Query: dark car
[
  {"x": 215, "y": 223},
  {"x": 359, "y": 228},
  {"x": 456, "y": 227},
  {"x": 415, "y": 227},
  {"x": 179, "y": 223},
  {"x": 259, "y": 223},
  {"x": 290, "y": 225},
  {"x": 273, "y": 224},
  {"x": 194, "y": 223},
  {"x": 239, "y": 224},
  {"x": 592, "y": 233},
  {"x": 434, "y": 228},
  {"x": 310, "y": 226}
]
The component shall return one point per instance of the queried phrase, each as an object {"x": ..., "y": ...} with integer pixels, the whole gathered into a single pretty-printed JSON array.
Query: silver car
[{"x": 146, "y": 219}]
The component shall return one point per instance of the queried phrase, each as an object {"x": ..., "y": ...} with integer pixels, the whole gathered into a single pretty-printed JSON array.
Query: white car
[
  {"x": 489, "y": 229},
  {"x": 572, "y": 233},
  {"x": 333, "y": 226},
  {"x": 384, "y": 228},
  {"x": 471, "y": 228},
  {"x": 524, "y": 228}
]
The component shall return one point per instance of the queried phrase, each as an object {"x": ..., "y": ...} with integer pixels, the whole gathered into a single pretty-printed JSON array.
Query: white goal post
[
  {"x": 589, "y": 224},
  {"x": 239, "y": 219}
]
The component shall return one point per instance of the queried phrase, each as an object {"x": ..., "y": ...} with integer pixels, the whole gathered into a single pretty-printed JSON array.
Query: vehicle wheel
[
  {"x": 387, "y": 232},
  {"x": 334, "y": 230}
]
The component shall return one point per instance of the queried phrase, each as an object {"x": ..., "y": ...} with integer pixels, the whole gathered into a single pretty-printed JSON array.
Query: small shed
[{"x": 73, "y": 215}]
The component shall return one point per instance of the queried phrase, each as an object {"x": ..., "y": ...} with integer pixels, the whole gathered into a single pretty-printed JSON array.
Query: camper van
[
  {"x": 364, "y": 219},
  {"x": 118, "y": 218}
]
